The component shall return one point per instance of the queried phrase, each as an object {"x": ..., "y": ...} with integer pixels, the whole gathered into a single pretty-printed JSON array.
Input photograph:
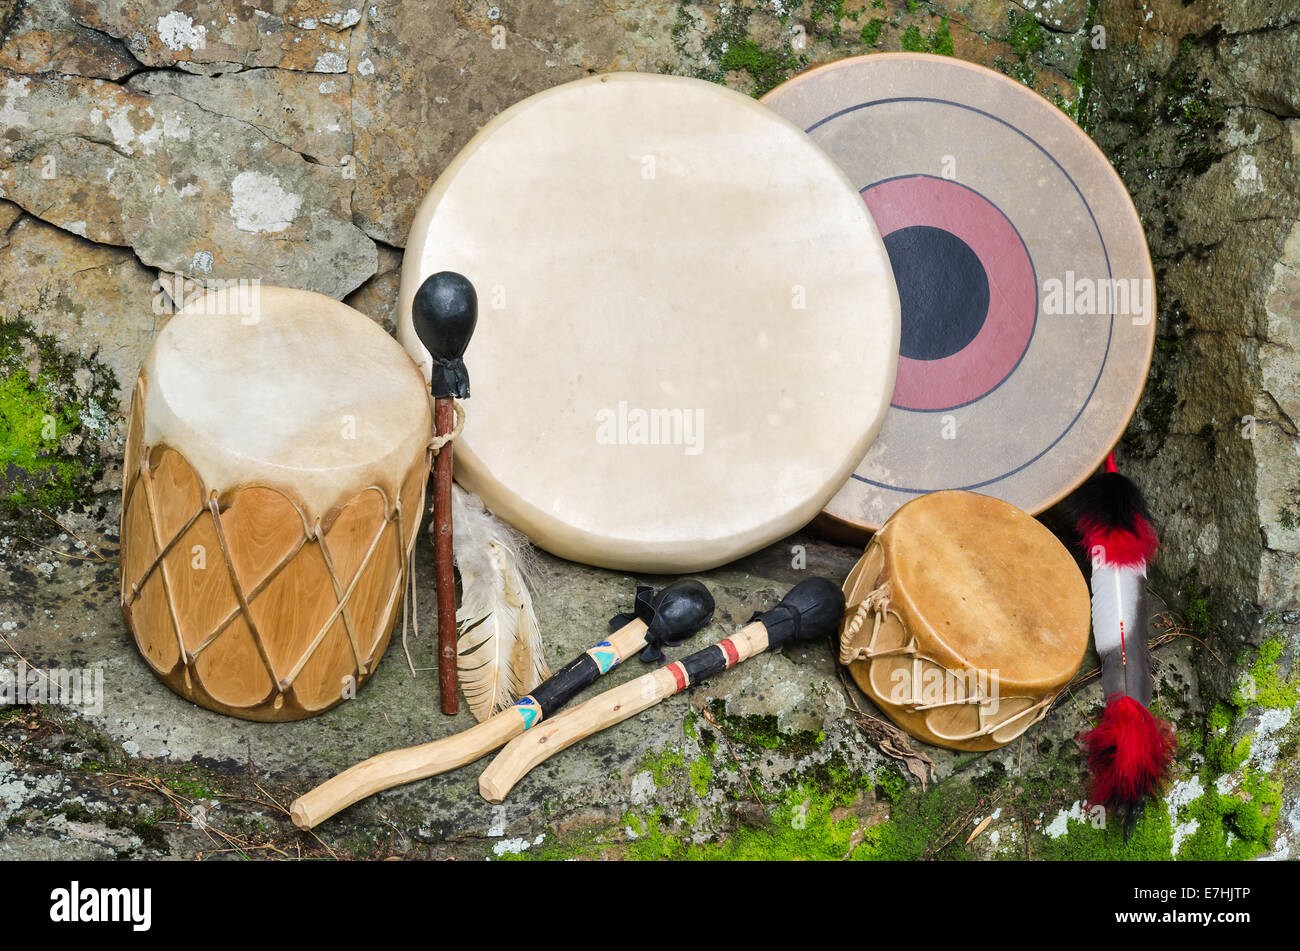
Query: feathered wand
[
  {"x": 499, "y": 654},
  {"x": 1130, "y": 749}
]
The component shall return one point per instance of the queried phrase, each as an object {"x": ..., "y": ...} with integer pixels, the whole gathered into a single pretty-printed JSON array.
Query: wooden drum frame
[{"x": 246, "y": 593}]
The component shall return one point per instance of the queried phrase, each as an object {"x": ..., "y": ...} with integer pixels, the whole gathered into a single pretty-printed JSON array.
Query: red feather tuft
[
  {"x": 1129, "y": 753},
  {"x": 1131, "y": 547}
]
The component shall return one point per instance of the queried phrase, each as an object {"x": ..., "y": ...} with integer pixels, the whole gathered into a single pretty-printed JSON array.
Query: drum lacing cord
[
  {"x": 877, "y": 603},
  {"x": 411, "y": 619}
]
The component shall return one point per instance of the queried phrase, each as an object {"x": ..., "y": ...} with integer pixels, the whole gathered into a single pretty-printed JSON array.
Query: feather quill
[{"x": 500, "y": 656}]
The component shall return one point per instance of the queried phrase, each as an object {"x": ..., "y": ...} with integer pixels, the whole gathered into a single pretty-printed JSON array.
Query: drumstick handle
[
  {"x": 398, "y": 767},
  {"x": 402, "y": 766},
  {"x": 444, "y": 421},
  {"x": 614, "y": 706}
]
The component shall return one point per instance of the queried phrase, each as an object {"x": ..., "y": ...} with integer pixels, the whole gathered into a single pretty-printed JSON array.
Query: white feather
[
  {"x": 1114, "y": 599},
  {"x": 500, "y": 656}
]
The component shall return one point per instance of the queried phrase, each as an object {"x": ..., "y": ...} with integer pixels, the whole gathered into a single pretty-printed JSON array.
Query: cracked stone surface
[
  {"x": 1204, "y": 130},
  {"x": 94, "y": 298},
  {"x": 207, "y": 37},
  {"x": 43, "y": 37},
  {"x": 188, "y": 190}
]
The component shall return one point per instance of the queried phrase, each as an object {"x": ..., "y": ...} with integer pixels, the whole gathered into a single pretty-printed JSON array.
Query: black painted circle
[{"x": 942, "y": 290}]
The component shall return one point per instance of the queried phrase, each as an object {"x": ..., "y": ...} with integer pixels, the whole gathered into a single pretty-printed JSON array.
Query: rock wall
[
  {"x": 151, "y": 146},
  {"x": 1200, "y": 112}
]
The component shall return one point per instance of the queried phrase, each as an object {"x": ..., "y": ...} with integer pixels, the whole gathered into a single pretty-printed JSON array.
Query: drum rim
[{"x": 1130, "y": 213}]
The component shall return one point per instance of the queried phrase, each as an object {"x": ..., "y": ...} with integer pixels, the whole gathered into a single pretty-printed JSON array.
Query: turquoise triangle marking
[
  {"x": 529, "y": 713},
  {"x": 604, "y": 660}
]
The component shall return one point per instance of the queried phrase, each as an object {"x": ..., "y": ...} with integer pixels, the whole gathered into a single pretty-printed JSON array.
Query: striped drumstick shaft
[
  {"x": 614, "y": 706},
  {"x": 580, "y": 672},
  {"x": 398, "y": 767}
]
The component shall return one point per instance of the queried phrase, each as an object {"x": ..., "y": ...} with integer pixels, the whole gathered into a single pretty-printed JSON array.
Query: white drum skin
[
  {"x": 319, "y": 408},
  {"x": 688, "y": 325}
]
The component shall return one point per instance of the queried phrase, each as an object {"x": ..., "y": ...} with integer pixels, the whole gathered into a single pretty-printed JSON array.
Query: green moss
[
  {"x": 1198, "y": 616},
  {"x": 50, "y": 426},
  {"x": 912, "y": 41},
  {"x": 1263, "y": 684},
  {"x": 763, "y": 732},
  {"x": 1232, "y": 827},
  {"x": 191, "y": 787},
  {"x": 76, "y": 812},
  {"x": 767, "y": 68},
  {"x": 871, "y": 31},
  {"x": 941, "y": 39},
  {"x": 1024, "y": 34},
  {"x": 1084, "y": 108},
  {"x": 728, "y": 47},
  {"x": 701, "y": 773},
  {"x": 1150, "y": 840},
  {"x": 829, "y": 11},
  {"x": 801, "y": 827}
]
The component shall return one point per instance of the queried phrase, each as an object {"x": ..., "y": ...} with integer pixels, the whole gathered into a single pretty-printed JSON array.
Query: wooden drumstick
[
  {"x": 668, "y": 617},
  {"x": 810, "y": 610},
  {"x": 443, "y": 314}
]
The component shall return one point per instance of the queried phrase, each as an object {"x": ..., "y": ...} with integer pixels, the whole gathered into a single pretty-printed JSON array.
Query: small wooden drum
[
  {"x": 965, "y": 618},
  {"x": 688, "y": 328},
  {"x": 273, "y": 484}
]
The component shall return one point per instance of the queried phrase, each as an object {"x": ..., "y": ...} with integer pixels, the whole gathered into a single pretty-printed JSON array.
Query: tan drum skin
[
  {"x": 273, "y": 484},
  {"x": 658, "y": 248},
  {"x": 965, "y": 619},
  {"x": 1030, "y": 407}
]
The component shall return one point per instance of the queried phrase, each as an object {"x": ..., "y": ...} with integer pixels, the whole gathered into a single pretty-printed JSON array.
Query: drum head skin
[
  {"x": 288, "y": 389},
  {"x": 1024, "y": 277},
  {"x": 688, "y": 324}
]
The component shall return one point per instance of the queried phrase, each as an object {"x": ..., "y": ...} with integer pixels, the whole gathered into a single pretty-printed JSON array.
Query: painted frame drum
[{"x": 1027, "y": 293}]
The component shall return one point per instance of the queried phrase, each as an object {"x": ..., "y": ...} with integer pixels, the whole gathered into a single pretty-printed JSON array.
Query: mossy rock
[{"x": 55, "y": 417}]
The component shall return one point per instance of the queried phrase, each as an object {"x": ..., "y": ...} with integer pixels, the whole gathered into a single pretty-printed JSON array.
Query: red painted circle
[{"x": 986, "y": 361}]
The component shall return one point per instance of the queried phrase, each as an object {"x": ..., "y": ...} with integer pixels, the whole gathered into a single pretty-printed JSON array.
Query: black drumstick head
[
  {"x": 443, "y": 313},
  {"x": 811, "y": 609},
  {"x": 684, "y": 607},
  {"x": 671, "y": 615}
]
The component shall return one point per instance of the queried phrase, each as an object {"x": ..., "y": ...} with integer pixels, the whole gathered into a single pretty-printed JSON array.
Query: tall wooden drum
[
  {"x": 273, "y": 485},
  {"x": 965, "y": 618}
]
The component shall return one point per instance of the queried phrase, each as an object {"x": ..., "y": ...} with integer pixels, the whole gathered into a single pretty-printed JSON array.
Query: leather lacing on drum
[
  {"x": 312, "y": 532},
  {"x": 413, "y": 617},
  {"x": 877, "y": 603}
]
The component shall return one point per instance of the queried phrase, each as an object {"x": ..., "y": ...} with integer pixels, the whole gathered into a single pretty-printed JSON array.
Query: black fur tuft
[{"x": 1110, "y": 500}]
